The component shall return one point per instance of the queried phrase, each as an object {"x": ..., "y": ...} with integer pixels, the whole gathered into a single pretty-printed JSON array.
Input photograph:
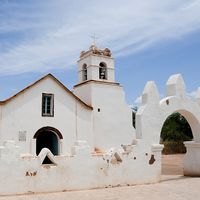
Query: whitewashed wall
[
  {"x": 112, "y": 126},
  {"x": 138, "y": 162},
  {"x": 23, "y": 113},
  {"x": 25, "y": 174},
  {"x": 92, "y": 61},
  {"x": 153, "y": 113}
]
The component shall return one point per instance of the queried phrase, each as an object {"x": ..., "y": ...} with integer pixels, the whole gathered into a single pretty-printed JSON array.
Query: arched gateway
[
  {"x": 152, "y": 114},
  {"x": 48, "y": 137}
]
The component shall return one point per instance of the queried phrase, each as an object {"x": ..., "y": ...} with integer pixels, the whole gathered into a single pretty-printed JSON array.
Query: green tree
[{"x": 176, "y": 128}]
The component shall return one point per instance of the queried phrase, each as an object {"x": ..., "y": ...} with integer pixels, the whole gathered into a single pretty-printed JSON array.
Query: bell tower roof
[{"x": 94, "y": 50}]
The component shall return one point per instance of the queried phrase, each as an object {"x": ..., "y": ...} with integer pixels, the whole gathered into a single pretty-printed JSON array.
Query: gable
[{"x": 40, "y": 81}]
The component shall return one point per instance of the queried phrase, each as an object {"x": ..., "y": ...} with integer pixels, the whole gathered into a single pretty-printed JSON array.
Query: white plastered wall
[
  {"x": 112, "y": 118},
  {"x": 23, "y": 113},
  {"x": 92, "y": 61},
  {"x": 153, "y": 113}
]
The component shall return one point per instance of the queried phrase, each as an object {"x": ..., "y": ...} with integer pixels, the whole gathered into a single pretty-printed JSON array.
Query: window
[
  {"x": 102, "y": 71},
  {"x": 47, "y": 105},
  {"x": 84, "y": 72}
]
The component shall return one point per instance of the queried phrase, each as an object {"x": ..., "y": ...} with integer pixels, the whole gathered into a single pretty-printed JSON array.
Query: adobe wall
[
  {"x": 153, "y": 113},
  {"x": 137, "y": 162},
  {"x": 79, "y": 170},
  {"x": 23, "y": 114},
  {"x": 112, "y": 117}
]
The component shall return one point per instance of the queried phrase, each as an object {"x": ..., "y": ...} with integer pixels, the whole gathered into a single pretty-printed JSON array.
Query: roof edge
[
  {"x": 41, "y": 79},
  {"x": 97, "y": 81}
]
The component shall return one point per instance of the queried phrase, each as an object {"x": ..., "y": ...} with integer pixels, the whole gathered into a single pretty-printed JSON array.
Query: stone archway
[
  {"x": 185, "y": 164},
  {"x": 187, "y": 108},
  {"x": 151, "y": 116},
  {"x": 176, "y": 129},
  {"x": 48, "y": 137}
]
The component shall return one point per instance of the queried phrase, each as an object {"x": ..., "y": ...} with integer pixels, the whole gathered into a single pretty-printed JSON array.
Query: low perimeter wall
[{"x": 81, "y": 170}]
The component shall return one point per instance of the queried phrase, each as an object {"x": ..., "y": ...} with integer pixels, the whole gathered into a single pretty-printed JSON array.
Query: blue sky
[{"x": 150, "y": 40}]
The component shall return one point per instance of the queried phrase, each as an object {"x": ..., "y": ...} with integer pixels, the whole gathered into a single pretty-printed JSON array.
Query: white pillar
[
  {"x": 61, "y": 146},
  {"x": 191, "y": 161},
  {"x": 33, "y": 147}
]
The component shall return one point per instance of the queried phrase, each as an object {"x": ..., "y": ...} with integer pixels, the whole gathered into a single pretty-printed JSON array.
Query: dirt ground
[
  {"x": 173, "y": 186},
  {"x": 172, "y": 164}
]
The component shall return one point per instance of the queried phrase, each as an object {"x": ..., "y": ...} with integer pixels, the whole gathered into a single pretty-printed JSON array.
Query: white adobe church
[
  {"x": 54, "y": 139},
  {"x": 47, "y": 114}
]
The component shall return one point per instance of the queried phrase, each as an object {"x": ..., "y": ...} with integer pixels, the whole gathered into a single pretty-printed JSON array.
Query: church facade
[
  {"x": 54, "y": 139},
  {"x": 47, "y": 114}
]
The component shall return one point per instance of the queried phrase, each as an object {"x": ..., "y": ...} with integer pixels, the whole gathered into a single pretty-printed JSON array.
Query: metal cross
[{"x": 94, "y": 38}]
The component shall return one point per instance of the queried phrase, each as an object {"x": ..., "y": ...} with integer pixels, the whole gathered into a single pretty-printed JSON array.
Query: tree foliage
[{"x": 176, "y": 128}]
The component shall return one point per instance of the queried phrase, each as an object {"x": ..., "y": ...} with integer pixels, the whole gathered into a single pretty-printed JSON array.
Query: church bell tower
[
  {"x": 96, "y": 64},
  {"x": 111, "y": 118}
]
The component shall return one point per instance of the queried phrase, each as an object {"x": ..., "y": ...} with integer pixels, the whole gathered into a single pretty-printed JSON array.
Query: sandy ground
[
  {"x": 172, "y": 164},
  {"x": 173, "y": 186}
]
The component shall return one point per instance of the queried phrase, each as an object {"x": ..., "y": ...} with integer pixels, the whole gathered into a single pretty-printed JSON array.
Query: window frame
[{"x": 51, "y": 114}]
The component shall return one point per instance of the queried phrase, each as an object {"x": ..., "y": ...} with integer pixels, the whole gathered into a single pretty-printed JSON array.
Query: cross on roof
[{"x": 94, "y": 38}]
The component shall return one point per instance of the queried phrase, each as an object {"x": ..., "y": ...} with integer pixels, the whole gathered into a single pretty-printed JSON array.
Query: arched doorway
[
  {"x": 48, "y": 137},
  {"x": 176, "y": 129}
]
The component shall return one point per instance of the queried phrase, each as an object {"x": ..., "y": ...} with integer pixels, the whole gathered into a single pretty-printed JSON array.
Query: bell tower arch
[{"x": 96, "y": 64}]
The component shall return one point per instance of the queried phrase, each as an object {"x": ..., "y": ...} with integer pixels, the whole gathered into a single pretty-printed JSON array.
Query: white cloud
[
  {"x": 55, "y": 32},
  {"x": 192, "y": 94}
]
